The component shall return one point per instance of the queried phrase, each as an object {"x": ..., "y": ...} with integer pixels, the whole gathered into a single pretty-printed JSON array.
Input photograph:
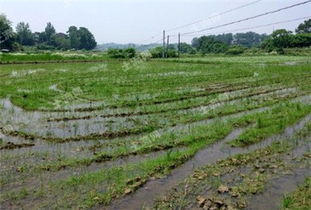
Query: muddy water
[
  {"x": 94, "y": 105},
  {"x": 144, "y": 197},
  {"x": 70, "y": 149},
  {"x": 276, "y": 188},
  {"x": 45, "y": 177},
  {"x": 35, "y": 122},
  {"x": 125, "y": 112},
  {"x": 153, "y": 189},
  {"x": 106, "y": 113},
  {"x": 77, "y": 148},
  {"x": 8, "y": 106},
  {"x": 272, "y": 198},
  {"x": 74, "y": 148},
  {"x": 303, "y": 99},
  {"x": 113, "y": 124}
]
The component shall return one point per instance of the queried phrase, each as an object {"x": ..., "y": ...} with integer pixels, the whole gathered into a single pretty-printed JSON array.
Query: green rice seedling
[
  {"x": 300, "y": 198},
  {"x": 272, "y": 122}
]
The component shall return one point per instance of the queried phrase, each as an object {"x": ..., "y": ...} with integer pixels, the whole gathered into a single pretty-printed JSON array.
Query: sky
[{"x": 142, "y": 21}]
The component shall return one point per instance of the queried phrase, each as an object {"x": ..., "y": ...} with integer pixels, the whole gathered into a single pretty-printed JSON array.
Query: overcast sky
[{"x": 137, "y": 21}]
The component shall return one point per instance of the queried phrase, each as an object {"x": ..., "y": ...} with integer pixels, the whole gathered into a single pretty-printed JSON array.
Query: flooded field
[{"x": 217, "y": 133}]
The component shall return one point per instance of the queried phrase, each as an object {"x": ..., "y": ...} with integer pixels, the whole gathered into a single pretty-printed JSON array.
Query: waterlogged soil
[
  {"x": 90, "y": 126},
  {"x": 79, "y": 129},
  {"x": 232, "y": 183},
  {"x": 76, "y": 148},
  {"x": 204, "y": 104},
  {"x": 271, "y": 197},
  {"x": 82, "y": 149},
  {"x": 145, "y": 197},
  {"x": 33, "y": 179}
]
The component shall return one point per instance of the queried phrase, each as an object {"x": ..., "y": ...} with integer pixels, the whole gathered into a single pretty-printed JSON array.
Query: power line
[
  {"x": 216, "y": 15},
  {"x": 253, "y": 27},
  {"x": 159, "y": 41},
  {"x": 198, "y": 21},
  {"x": 152, "y": 37},
  {"x": 249, "y": 18},
  {"x": 258, "y": 26}
]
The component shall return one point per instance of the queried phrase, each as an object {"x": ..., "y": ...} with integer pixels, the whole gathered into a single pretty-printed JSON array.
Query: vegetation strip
[
  {"x": 223, "y": 111},
  {"x": 215, "y": 185},
  {"x": 170, "y": 140},
  {"x": 165, "y": 110},
  {"x": 300, "y": 199},
  {"x": 250, "y": 103}
]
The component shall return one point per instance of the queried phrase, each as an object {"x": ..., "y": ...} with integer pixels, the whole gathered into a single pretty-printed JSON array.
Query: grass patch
[
  {"x": 300, "y": 199},
  {"x": 242, "y": 175},
  {"x": 274, "y": 122}
]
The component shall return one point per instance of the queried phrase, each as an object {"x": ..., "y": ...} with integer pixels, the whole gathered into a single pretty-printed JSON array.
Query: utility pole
[
  {"x": 163, "y": 50},
  {"x": 168, "y": 42},
  {"x": 178, "y": 44}
]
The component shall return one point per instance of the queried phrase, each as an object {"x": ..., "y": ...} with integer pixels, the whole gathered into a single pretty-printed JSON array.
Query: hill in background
[{"x": 140, "y": 48}]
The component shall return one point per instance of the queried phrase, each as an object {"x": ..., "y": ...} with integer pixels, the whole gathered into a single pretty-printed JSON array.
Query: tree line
[
  {"x": 237, "y": 43},
  {"x": 75, "y": 38}
]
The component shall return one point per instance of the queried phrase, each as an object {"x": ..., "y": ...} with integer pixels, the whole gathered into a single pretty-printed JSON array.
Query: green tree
[
  {"x": 81, "y": 38},
  {"x": 225, "y": 38},
  {"x": 267, "y": 44},
  {"x": 49, "y": 33},
  {"x": 208, "y": 44},
  {"x": 156, "y": 52},
  {"x": 248, "y": 39},
  {"x": 62, "y": 41},
  {"x": 7, "y": 36},
  {"x": 122, "y": 53},
  {"x": 171, "y": 53},
  {"x": 39, "y": 37},
  {"x": 74, "y": 37},
  {"x": 301, "y": 40},
  {"x": 129, "y": 52},
  {"x": 281, "y": 38},
  {"x": 24, "y": 34},
  {"x": 195, "y": 43},
  {"x": 186, "y": 48},
  {"x": 87, "y": 40},
  {"x": 235, "y": 50},
  {"x": 304, "y": 27}
]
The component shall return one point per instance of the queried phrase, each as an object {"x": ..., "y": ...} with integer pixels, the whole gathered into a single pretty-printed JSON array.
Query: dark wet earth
[
  {"x": 155, "y": 189},
  {"x": 20, "y": 146}
]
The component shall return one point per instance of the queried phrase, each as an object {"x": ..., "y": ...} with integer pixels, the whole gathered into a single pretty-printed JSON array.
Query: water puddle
[
  {"x": 73, "y": 146},
  {"x": 146, "y": 195},
  {"x": 35, "y": 123},
  {"x": 276, "y": 188},
  {"x": 45, "y": 177}
]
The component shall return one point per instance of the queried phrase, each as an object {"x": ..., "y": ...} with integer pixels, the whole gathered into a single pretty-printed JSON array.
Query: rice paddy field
[{"x": 188, "y": 133}]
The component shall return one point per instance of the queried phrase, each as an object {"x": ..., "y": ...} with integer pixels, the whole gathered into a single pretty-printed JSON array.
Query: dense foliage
[
  {"x": 186, "y": 48},
  {"x": 82, "y": 39},
  {"x": 282, "y": 38},
  {"x": 75, "y": 38},
  {"x": 222, "y": 42},
  {"x": 170, "y": 52},
  {"x": 235, "y": 50},
  {"x": 235, "y": 44},
  {"x": 122, "y": 53},
  {"x": 88, "y": 134},
  {"x": 7, "y": 36},
  {"x": 304, "y": 27},
  {"x": 208, "y": 44}
]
